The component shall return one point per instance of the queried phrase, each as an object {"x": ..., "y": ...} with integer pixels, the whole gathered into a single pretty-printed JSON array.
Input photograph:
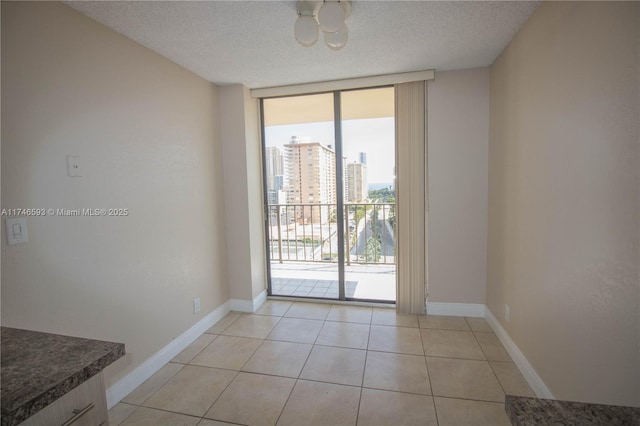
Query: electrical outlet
[
  {"x": 507, "y": 313},
  {"x": 196, "y": 305}
]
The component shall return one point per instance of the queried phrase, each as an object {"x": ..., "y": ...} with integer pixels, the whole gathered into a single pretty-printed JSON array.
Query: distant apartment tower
[
  {"x": 356, "y": 182},
  {"x": 362, "y": 157},
  {"x": 311, "y": 177},
  {"x": 274, "y": 162}
]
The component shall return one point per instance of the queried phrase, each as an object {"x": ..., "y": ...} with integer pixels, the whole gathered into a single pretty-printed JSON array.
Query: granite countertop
[
  {"x": 534, "y": 411},
  {"x": 38, "y": 368}
]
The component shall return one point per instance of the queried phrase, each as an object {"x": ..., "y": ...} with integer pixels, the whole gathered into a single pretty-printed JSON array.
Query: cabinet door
[{"x": 83, "y": 406}]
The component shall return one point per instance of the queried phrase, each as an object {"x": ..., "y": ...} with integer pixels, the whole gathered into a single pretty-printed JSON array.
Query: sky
[{"x": 375, "y": 136}]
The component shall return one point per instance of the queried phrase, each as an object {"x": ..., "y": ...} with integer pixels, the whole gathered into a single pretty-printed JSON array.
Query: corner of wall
[{"x": 243, "y": 194}]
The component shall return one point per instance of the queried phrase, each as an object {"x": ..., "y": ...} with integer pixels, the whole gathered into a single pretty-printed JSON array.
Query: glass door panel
[
  {"x": 300, "y": 185},
  {"x": 330, "y": 194},
  {"x": 368, "y": 149}
]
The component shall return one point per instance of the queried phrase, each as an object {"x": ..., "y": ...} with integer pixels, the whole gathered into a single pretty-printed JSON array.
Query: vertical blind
[{"x": 411, "y": 192}]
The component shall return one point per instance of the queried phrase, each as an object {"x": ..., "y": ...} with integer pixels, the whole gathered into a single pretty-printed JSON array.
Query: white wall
[
  {"x": 458, "y": 115},
  {"x": 147, "y": 133},
  {"x": 564, "y": 166}
]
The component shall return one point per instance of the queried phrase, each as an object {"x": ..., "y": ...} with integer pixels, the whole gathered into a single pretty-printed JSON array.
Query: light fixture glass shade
[
  {"x": 306, "y": 30},
  {"x": 331, "y": 16},
  {"x": 338, "y": 39}
]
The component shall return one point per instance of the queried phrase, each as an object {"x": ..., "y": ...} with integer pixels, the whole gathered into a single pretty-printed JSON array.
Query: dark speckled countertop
[
  {"x": 524, "y": 411},
  {"x": 38, "y": 368}
]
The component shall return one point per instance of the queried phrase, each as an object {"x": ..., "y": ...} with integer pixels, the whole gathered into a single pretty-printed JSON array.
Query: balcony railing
[{"x": 309, "y": 233}]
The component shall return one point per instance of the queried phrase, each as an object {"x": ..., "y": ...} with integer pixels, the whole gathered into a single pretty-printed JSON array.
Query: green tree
[
  {"x": 383, "y": 195},
  {"x": 332, "y": 216},
  {"x": 392, "y": 214},
  {"x": 372, "y": 251},
  {"x": 376, "y": 228},
  {"x": 310, "y": 241},
  {"x": 358, "y": 213}
]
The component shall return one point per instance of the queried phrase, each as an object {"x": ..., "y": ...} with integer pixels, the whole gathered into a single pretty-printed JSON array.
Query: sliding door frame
[
  {"x": 337, "y": 125},
  {"x": 265, "y": 198}
]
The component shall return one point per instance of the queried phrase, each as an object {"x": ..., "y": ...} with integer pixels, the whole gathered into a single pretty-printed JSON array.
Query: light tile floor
[{"x": 297, "y": 363}]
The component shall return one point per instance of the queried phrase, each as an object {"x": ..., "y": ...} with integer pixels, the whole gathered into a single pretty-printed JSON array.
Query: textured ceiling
[{"x": 252, "y": 42}]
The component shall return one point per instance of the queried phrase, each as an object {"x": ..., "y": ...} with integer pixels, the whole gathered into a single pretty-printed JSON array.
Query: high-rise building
[
  {"x": 274, "y": 168},
  {"x": 362, "y": 157},
  {"x": 356, "y": 182},
  {"x": 311, "y": 179}
]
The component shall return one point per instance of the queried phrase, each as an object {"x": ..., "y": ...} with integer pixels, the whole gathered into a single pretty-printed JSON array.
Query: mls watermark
[{"x": 66, "y": 212}]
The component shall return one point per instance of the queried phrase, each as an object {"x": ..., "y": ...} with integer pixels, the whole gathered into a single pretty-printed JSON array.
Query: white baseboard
[
  {"x": 530, "y": 375},
  {"x": 456, "y": 309},
  {"x": 138, "y": 376},
  {"x": 242, "y": 305}
]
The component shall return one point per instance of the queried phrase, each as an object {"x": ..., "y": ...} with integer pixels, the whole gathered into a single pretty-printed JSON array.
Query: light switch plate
[
  {"x": 73, "y": 166},
  {"x": 17, "y": 231}
]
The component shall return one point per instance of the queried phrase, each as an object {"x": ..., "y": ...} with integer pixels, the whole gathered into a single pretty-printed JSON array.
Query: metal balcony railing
[{"x": 309, "y": 233}]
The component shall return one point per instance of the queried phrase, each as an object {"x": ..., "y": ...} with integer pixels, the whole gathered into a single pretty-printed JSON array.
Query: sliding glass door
[
  {"x": 329, "y": 192},
  {"x": 368, "y": 147},
  {"x": 300, "y": 194}
]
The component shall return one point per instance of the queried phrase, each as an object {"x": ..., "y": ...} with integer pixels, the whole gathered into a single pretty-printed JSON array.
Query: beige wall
[
  {"x": 243, "y": 199},
  {"x": 255, "y": 193},
  {"x": 564, "y": 198},
  {"x": 147, "y": 133},
  {"x": 458, "y": 113},
  {"x": 236, "y": 203}
]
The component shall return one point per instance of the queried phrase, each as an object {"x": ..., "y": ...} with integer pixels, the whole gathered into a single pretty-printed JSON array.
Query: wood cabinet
[{"x": 85, "y": 405}]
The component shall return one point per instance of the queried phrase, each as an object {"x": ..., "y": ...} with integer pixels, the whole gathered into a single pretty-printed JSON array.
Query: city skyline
[
  {"x": 375, "y": 137},
  {"x": 288, "y": 179}
]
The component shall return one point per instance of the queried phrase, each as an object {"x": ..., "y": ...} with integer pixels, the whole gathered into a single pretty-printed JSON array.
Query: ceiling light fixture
[{"x": 328, "y": 16}]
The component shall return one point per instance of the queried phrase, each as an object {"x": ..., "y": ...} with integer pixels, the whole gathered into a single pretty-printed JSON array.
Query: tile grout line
[
  {"x": 364, "y": 369},
  {"x": 286, "y": 402},
  {"x": 198, "y": 353},
  {"x": 308, "y": 356},
  {"x": 159, "y": 387},
  {"x": 236, "y": 371},
  {"x": 223, "y": 391},
  {"x": 433, "y": 398},
  {"x": 172, "y": 412},
  {"x": 130, "y": 414},
  {"x": 228, "y": 384},
  {"x": 302, "y": 369},
  {"x": 296, "y": 379},
  {"x": 428, "y": 356},
  {"x": 487, "y": 359},
  {"x": 424, "y": 350},
  {"x": 228, "y": 325}
]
